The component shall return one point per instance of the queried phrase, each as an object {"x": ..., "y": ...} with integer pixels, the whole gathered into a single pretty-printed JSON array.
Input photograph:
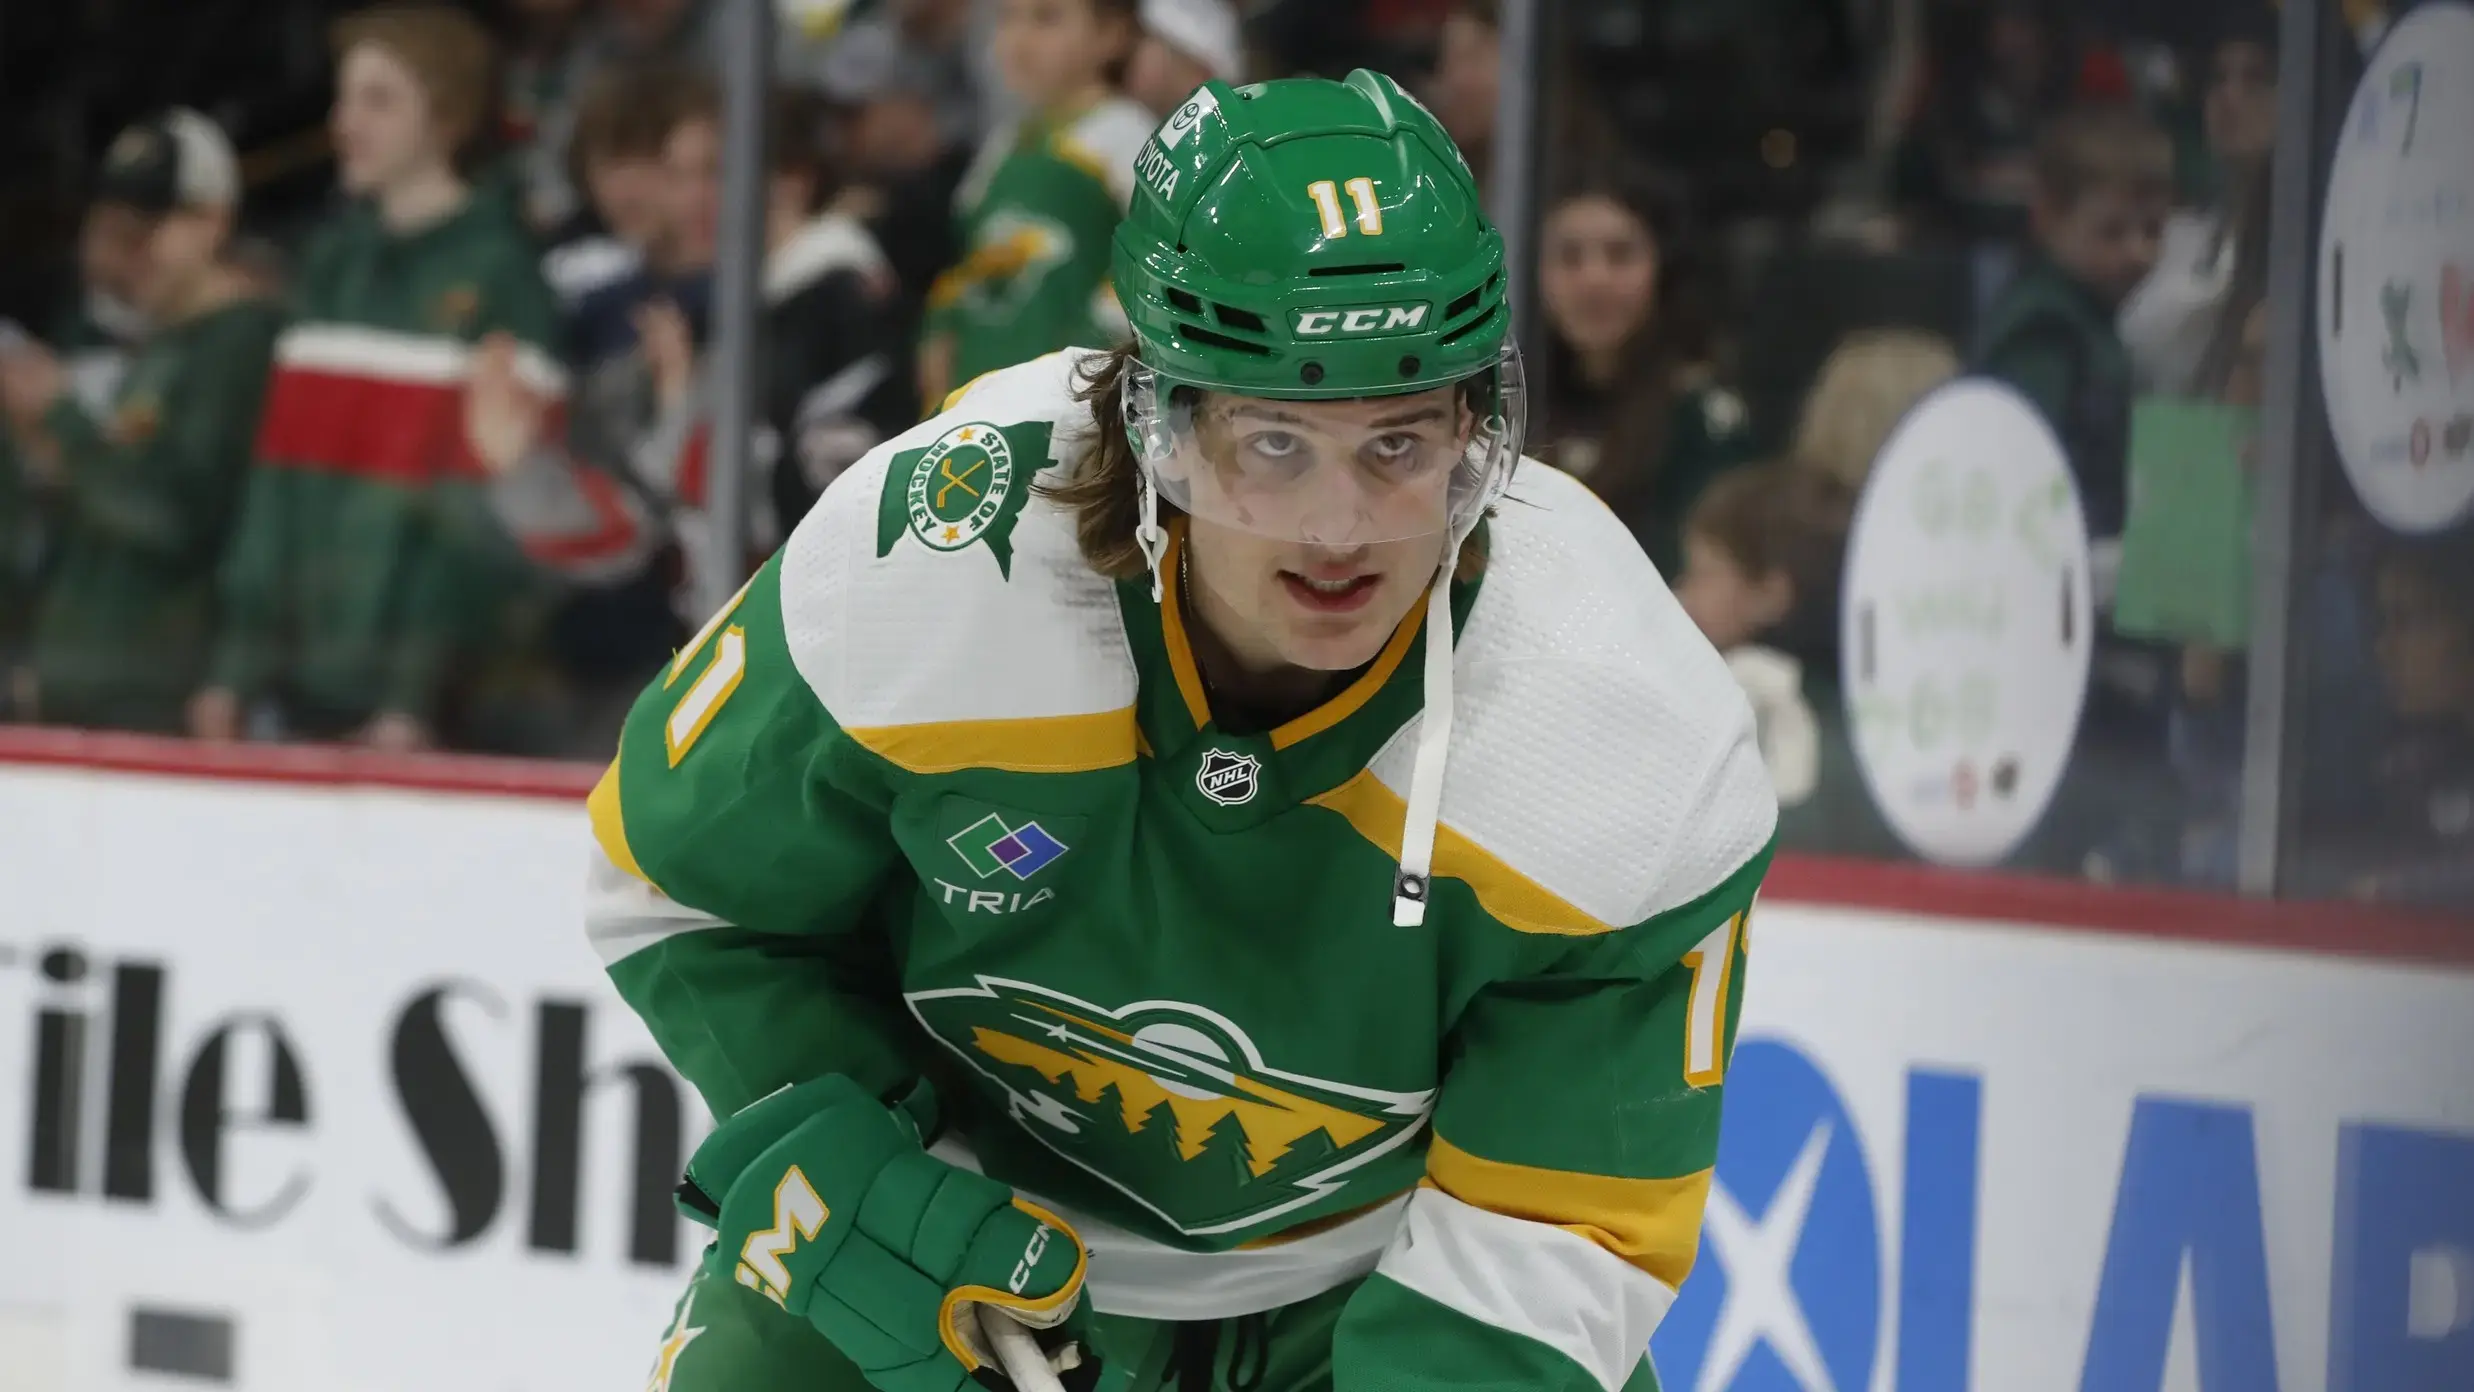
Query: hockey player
[{"x": 1185, "y": 852}]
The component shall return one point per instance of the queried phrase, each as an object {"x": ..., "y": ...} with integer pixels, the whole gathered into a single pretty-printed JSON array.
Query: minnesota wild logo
[
  {"x": 1170, "y": 1103},
  {"x": 962, "y": 489}
]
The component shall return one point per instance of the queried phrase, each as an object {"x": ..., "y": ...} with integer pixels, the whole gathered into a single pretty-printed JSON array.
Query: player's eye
[
  {"x": 1399, "y": 454},
  {"x": 1275, "y": 444}
]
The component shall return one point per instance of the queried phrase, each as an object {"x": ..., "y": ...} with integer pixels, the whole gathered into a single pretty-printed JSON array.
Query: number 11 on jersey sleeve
[
  {"x": 703, "y": 698},
  {"x": 1712, "y": 965}
]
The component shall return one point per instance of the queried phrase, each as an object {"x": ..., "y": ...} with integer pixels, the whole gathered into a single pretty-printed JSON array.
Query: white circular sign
[
  {"x": 1964, "y": 623},
  {"x": 2396, "y": 276}
]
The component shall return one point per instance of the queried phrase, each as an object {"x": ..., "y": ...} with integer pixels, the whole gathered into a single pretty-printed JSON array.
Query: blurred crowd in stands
[{"x": 394, "y": 429}]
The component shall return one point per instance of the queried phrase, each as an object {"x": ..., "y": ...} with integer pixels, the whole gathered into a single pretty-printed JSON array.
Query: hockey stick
[{"x": 1018, "y": 1352}]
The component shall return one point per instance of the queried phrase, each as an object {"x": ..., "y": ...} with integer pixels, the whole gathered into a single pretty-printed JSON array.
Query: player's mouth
[{"x": 1330, "y": 594}]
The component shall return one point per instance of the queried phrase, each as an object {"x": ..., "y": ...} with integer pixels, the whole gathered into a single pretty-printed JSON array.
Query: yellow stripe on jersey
[
  {"x": 1030, "y": 744},
  {"x": 1655, "y": 1224},
  {"x": 601, "y": 806},
  {"x": 1082, "y": 157},
  {"x": 1182, "y": 666},
  {"x": 957, "y": 393},
  {"x": 1507, "y": 895}
]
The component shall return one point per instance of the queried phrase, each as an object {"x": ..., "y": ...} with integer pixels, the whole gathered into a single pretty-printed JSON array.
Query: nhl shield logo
[{"x": 1227, "y": 777}]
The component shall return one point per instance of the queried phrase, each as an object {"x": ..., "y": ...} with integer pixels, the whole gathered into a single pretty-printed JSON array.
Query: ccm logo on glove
[
  {"x": 798, "y": 1215},
  {"x": 1030, "y": 1258}
]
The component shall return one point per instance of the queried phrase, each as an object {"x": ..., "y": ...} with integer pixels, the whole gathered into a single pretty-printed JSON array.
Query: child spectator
[
  {"x": 675, "y": 271},
  {"x": 614, "y": 155},
  {"x": 1762, "y": 552},
  {"x": 1184, "y": 44},
  {"x": 93, "y": 339},
  {"x": 1043, "y": 199},
  {"x": 146, "y": 492},
  {"x": 621, "y": 508},
  {"x": 1865, "y": 387},
  {"x": 1632, "y": 409},
  {"x": 2104, "y": 179},
  {"x": 1762, "y": 556},
  {"x": 366, "y": 559}
]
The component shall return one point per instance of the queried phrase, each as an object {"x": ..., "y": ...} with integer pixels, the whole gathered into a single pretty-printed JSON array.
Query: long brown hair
[
  {"x": 1103, "y": 487},
  {"x": 1675, "y": 339}
]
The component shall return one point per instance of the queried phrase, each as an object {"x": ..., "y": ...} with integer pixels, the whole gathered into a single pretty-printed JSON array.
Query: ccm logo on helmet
[{"x": 1364, "y": 321}]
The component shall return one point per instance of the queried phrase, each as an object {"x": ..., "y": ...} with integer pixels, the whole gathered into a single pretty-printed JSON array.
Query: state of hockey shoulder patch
[{"x": 969, "y": 486}]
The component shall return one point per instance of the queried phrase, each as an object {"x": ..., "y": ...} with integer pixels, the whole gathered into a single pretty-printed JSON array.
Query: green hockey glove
[{"x": 827, "y": 1205}]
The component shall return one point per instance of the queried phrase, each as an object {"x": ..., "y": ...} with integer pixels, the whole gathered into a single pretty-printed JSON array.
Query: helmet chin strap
[
  {"x": 1148, "y": 536},
  {"x": 1413, "y": 885}
]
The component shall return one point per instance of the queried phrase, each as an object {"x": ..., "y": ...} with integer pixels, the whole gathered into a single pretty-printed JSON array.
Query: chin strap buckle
[{"x": 1409, "y": 899}]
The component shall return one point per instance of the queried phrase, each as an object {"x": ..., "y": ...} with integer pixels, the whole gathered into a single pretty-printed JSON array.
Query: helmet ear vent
[
  {"x": 1196, "y": 333},
  {"x": 1409, "y": 365},
  {"x": 1243, "y": 319},
  {"x": 1311, "y": 374}
]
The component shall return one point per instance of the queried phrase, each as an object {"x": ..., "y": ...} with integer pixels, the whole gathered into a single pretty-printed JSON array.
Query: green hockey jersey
[
  {"x": 127, "y": 619},
  {"x": 1037, "y": 209},
  {"x": 365, "y": 559},
  {"x": 931, "y": 799}
]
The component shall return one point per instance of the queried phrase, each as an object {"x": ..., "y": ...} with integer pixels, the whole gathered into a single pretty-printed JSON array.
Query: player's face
[
  {"x": 1277, "y": 604},
  {"x": 1330, "y": 518},
  {"x": 381, "y": 121},
  {"x": 1598, "y": 275}
]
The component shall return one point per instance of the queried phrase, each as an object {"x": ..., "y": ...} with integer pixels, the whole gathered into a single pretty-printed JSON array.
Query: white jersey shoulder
[
  {"x": 1599, "y": 747},
  {"x": 1106, "y": 139},
  {"x": 930, "y": 587}
]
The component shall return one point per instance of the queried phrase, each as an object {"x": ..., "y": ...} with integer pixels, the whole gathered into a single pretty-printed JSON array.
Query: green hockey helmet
[{"x": 1308, "y": 240}]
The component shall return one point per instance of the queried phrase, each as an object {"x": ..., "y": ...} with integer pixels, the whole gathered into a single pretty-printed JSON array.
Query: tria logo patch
[
  {"x": 989, "y": 846},
  {"x": 1174, "y": 1104},
  {"x": 1228, "y": 777}
]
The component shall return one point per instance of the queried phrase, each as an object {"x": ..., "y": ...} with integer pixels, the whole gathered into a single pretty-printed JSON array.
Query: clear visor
[{"x": 1332, "y": 473}]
